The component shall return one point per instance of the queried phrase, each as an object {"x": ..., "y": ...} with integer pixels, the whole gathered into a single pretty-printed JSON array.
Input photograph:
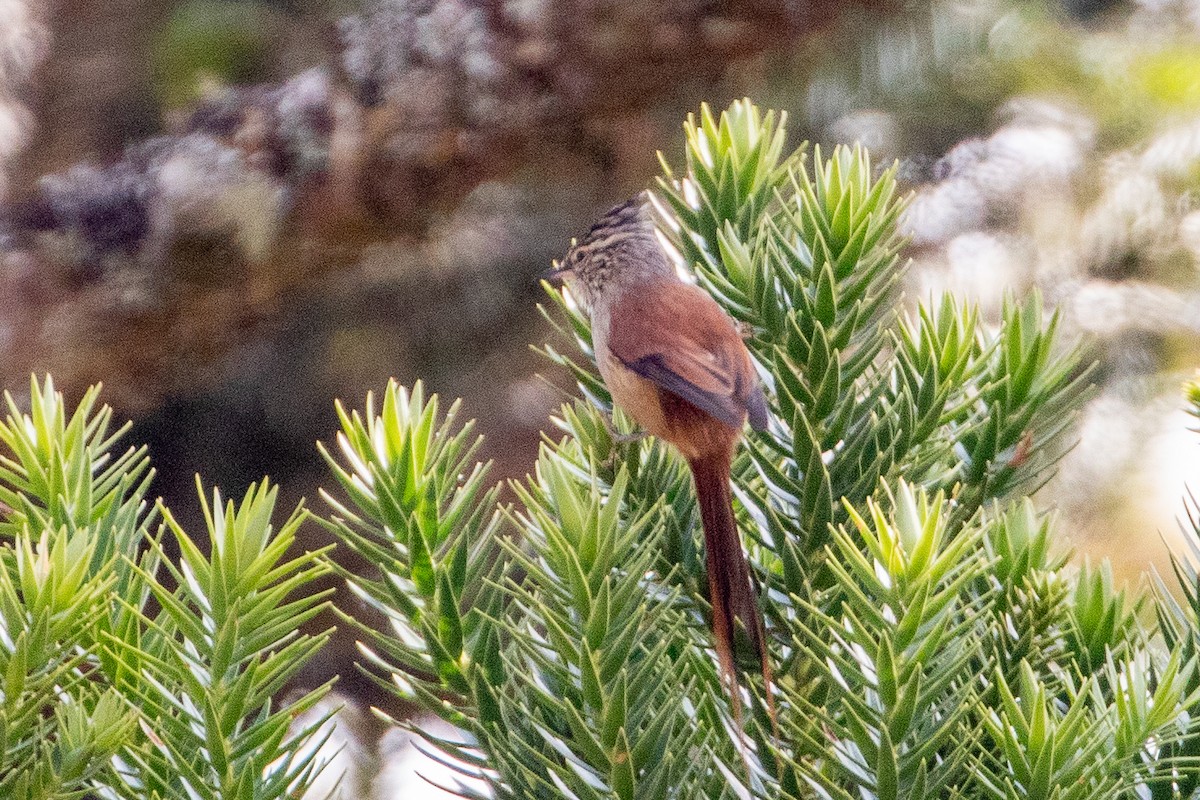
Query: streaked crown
[
  {"x": 620, "y": 249},
  {"x": 629, "y": 219}
]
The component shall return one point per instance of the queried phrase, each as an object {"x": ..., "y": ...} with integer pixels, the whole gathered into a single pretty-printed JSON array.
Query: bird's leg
[
  {"x": 628, "y": 438},
  {"x": 610, "y": 425},
  {"x": 618, "y": 439}
]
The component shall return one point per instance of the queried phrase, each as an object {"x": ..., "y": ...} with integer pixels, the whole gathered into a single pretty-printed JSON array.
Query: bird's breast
[{"x": 635, "y": 395}]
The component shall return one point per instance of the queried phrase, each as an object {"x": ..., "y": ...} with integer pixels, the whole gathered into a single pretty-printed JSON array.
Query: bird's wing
[{"x": 678, "y": 338}]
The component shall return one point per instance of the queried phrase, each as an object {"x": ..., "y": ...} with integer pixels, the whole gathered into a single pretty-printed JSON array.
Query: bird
[{"x": 674, "y": 361}]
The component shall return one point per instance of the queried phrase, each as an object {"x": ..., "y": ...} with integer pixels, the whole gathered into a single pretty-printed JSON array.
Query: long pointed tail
[{"x": 731, "y": 593}]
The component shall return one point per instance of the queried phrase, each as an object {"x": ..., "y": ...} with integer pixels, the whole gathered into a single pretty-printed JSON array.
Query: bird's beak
[{"x": 556, "y": 274}]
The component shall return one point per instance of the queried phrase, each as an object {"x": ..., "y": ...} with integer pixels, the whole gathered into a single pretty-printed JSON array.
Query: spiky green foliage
[
  {"x": 929, "y": 637},
  {"x": 1177, "y": 609},
  {"x": 612, "y": 702},
  {"x": 420, "y": 507},
  {"x": 126, "y": 674},
  {"x": 226, "y": 641},
  {"x": 58, "y": 731},
  {"x": 547, "y": 651},
  {"x": 907, "y": 635}
]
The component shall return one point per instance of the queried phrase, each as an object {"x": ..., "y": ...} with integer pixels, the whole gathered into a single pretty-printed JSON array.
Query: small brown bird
[{"x": 673, "y": 359}]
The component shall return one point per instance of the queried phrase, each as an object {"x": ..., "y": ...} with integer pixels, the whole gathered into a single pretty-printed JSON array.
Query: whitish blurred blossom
[
  {"x": 23, "y": 41},
  {"x": 23, "y": 44},
  {"x": 1122, "y": 485},
  {"x": 343, "y": 753},
  {"x": 203, "y": 188},
  {"x": 1189, "y": 235},
  {"x": 1111, "y": 235},
  {"x": 411, "y": 774},
  {"x": 1108, "y": 440},
  {"x": 876, "y": 130},
  {"x": 945, "y": 209},
  {"x": 1175, "y": 152},
  {"x": 1039, "y": 153},
  {"x": 1131, "y": 215},
  {"x": 1169, "y": 471},
  {"x": 14, "y": 122},
  {"x": 1107, "y": 308},
  {"x": 977, "y": 264}
]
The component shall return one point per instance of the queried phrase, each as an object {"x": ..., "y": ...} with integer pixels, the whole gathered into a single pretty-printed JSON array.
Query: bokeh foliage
[
  {"x": 126, "y": 673},
  {"x": 929, "y": 636}
]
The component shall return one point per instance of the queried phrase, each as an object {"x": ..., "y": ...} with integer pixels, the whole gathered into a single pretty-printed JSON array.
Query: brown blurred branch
[{"x": 145, "y": 270}]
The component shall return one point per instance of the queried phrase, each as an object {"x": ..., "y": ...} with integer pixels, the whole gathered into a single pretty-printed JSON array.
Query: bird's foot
[
  {"x": 610, "y": 425},
  {"x": 628, "y": 438},
  {"x": 619, "y": 440}
]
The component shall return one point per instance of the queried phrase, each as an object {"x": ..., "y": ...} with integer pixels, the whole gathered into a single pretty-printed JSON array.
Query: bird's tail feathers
[{"x": 731, "y": 592}]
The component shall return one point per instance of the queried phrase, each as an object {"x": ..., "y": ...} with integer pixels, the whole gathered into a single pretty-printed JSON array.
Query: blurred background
[{"x": 233, "y": 212}]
